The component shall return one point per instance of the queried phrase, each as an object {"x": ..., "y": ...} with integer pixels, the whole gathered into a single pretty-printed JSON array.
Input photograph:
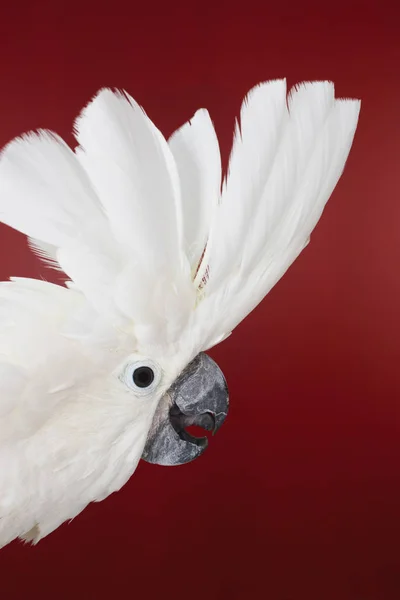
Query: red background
[{"x": 298, "y": 496}]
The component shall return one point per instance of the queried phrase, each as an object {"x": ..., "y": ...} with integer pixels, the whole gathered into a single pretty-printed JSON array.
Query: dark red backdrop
[{"x": 298, "y": 496}]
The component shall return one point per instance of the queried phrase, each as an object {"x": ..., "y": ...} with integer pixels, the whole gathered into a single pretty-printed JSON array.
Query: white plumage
[
  {"x": 196, "y": 153},
  {"x": 127, "y": 216}
]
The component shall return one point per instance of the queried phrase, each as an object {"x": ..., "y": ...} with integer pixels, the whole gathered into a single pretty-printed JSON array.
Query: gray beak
[{"x": 199, "y": 396}]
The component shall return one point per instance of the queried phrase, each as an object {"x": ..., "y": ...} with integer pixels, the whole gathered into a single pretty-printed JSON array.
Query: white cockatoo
[{"x": 162, "y": 262}]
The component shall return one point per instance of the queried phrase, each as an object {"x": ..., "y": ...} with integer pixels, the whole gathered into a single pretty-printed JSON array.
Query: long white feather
[
  {"x": 46, "y": 194},
  {"x": 133, "y": 172},
  {"x": 305, "y": 167},
  {"x": 257, "y": 136},
  {"x": 131, "y": 167},
  {"x": 309, "y": 109},
  {"x": 196, "y": 152}
]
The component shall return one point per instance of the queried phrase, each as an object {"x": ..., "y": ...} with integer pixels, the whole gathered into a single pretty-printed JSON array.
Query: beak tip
[{"x": 219, "y": 421}]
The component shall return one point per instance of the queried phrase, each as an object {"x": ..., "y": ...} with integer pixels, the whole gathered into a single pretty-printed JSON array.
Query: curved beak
[{"x": 199, "y": 396}]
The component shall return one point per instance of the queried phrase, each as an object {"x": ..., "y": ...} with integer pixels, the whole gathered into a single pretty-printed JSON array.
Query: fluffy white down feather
[{"x": 127, "y": 216}]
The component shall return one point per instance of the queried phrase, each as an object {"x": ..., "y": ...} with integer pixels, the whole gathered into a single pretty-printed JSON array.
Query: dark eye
[{"x": 143, "y": 377}]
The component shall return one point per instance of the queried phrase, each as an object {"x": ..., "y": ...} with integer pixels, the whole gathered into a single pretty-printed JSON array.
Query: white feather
[
  {"x": 46, "y": 194},
  {"x": 308, "y": 161},
  {"x": 257, "y": 136},
  {"x": 135, "y": 177},
  {"x": 46, "y": 252},
  {"x": 196, "y": 152}
]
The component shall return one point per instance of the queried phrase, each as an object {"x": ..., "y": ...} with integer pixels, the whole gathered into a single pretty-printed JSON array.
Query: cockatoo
[{"x": 162, "y": 263}]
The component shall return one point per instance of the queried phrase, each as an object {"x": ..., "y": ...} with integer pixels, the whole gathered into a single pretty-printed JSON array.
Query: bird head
[{"x": 162, "y": 262}]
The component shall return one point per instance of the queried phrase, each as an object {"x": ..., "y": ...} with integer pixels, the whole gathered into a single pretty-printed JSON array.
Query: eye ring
[{"x": 142, "y": 376}]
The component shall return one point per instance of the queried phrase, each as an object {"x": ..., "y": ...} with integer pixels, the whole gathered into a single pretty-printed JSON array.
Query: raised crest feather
[{"x": 133, "y": 219}]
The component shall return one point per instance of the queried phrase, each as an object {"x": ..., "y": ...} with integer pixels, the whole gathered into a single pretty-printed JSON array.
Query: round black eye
[{"x": 143, "y": 377}]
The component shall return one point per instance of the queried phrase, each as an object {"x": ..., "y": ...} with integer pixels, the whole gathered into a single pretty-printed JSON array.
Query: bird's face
[{"x": 198, "y": 395}]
